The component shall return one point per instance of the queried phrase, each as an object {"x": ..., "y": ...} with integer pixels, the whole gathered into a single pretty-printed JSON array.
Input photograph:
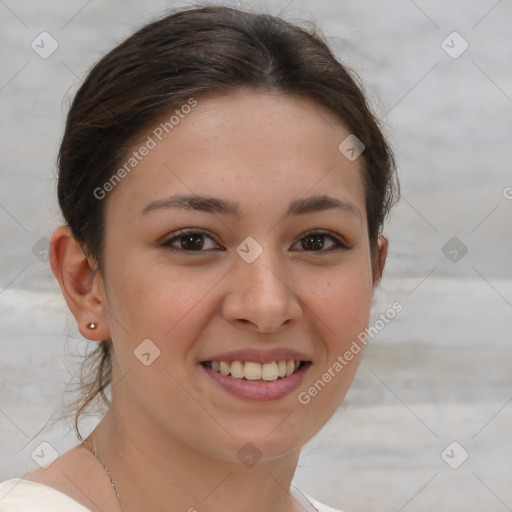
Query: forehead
[{"x": 253, "y": 147}]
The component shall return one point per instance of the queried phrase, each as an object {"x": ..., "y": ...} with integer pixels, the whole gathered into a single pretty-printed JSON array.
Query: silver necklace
[
  {"x": 117, "y": 493},
  {"x": 106, "y": 471}
]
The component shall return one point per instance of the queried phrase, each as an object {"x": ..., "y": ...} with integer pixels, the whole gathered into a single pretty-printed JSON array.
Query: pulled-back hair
[{"x": 191, "y": 53}]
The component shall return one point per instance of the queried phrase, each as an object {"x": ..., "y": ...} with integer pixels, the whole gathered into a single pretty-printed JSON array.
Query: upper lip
[{"x": 260, "y": 356}]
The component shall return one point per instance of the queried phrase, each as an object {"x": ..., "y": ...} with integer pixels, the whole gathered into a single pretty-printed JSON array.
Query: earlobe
[
  {"x": 77, "y": 280},
  {"x": 382, "y": 252}
]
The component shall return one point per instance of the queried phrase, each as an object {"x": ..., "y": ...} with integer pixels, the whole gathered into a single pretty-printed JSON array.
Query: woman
[{"x": 224, "y": 187}]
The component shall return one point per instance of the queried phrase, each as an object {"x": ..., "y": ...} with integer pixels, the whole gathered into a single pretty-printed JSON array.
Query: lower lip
[{"x": 259, "y": 390}]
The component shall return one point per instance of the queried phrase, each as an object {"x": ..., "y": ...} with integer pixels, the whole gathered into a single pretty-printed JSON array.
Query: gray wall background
[{"x": 439, "y": 372}]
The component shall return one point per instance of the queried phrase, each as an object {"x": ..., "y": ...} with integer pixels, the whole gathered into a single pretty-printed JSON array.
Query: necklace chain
[
  {"x": 106, "y": 471},
  {"x": 112, "y": 481}
]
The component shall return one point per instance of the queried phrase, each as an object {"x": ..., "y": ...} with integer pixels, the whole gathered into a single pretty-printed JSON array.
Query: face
[{"x": 262, "y": 273}]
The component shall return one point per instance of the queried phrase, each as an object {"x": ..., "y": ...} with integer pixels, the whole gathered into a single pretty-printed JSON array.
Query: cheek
[
  {"x": 342, "y": 301},
  {"x": 340, "y": 309},
  {"x": 158, "y": 301}
]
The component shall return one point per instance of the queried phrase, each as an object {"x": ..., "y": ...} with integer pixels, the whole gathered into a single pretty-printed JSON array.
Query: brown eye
[
  {"x": 190, "y": 241},
  {"x": 316, "y": 241}
]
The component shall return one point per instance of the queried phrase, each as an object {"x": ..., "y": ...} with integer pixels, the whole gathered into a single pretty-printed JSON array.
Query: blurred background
[{"x": 428, "y": 420}]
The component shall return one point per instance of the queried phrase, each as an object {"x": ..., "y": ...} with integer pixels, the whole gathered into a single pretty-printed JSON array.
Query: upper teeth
[{"x": 255, "y": 371}]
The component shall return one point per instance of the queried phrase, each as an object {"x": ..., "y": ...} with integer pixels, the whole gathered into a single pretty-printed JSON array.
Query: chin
[{"x": 254, "y": 445}]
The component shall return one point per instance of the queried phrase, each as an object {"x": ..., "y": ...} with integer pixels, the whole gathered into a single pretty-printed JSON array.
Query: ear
[
  {"x": 380, "y": 259},
  {"x": 81, "y": 285}
]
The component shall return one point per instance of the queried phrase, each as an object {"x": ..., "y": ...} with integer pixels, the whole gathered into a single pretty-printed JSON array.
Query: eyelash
[{"x": 182, "y": 233}]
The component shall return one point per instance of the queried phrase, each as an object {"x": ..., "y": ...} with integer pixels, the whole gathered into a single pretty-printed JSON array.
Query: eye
[
  {"x": 314, "y": 241},
  {"x": 190, "y": 240},
  {"x": 193, "y": 240}
]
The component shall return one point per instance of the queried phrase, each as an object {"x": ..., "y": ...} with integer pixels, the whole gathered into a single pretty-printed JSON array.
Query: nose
[{"x": 261, "y": 298}]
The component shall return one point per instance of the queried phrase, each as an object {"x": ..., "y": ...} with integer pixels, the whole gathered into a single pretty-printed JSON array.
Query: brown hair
[{"x": 190, "y": 53}]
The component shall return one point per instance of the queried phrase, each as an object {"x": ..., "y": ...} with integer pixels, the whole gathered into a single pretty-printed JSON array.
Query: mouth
[
  {"x": 251, "y": 380},
  {"x": 253, "y": 371},
  {"x": 261, "y": 374}
]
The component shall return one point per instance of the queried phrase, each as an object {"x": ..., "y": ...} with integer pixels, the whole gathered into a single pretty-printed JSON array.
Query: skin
[{"x": 171, "y": 435}]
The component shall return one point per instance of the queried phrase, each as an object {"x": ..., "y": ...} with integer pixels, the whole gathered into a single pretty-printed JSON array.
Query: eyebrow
[{"x": 210, "y": 204}]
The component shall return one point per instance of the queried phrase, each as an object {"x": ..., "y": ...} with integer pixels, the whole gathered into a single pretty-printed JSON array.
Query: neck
[{"x": 153, "y": 469}]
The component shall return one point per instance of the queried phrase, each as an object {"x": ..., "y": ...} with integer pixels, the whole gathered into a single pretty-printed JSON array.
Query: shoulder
[
  {"x": 74, "y": 482},
  {"x": 19, "y": 495},
  {"x": 320, "y": 507}
]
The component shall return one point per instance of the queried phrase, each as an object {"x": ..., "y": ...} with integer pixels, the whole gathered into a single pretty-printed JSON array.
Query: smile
[
  {"x": 251, "y": 380},
  {"x": 252, "y": 370}
]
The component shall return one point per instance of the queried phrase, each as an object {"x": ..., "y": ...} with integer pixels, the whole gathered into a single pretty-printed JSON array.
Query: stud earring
[{"x": 92, "y": 325}]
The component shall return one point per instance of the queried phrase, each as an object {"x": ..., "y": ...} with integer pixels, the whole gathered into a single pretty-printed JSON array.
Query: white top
[{"x": 18, "y": 495}]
